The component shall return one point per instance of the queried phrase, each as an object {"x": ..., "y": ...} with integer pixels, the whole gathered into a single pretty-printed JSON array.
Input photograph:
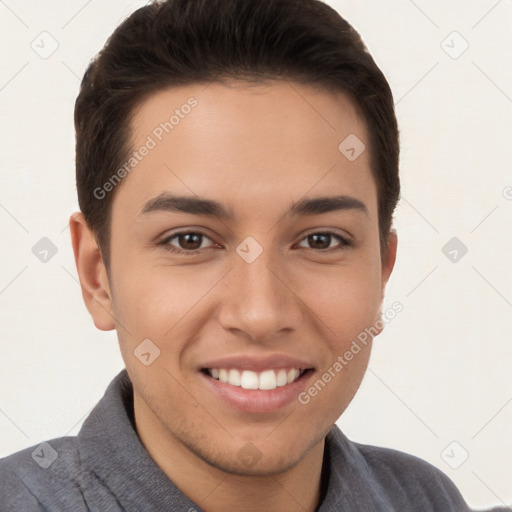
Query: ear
[
  {"x": 92, "y": 273},
  {"x": 389, "y": 261},
  {"x": 388, "y": 264}
]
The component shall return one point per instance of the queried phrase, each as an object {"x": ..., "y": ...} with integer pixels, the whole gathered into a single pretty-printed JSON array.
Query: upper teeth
[{"x": 247, "y": 379}]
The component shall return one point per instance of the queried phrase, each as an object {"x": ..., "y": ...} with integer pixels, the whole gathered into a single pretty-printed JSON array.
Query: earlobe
[{"x": 92, "y": 273}]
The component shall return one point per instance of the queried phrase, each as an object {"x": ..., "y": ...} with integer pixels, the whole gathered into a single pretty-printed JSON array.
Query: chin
[
  {"x": 260, "y": 465},
  {"x": 263, "y": 457}
]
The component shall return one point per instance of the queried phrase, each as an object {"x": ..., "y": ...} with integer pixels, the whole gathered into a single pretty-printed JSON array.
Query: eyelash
[{"x": 345, "y": 243}]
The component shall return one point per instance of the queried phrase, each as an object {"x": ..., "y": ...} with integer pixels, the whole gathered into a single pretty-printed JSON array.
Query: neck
[{"x": 297, "y": 489}]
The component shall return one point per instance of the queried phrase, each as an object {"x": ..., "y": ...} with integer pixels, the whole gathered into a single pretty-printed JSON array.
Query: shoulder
[
  {"x": 404, "y": 480},
  {"x": 415, "y": 477},
  {"x": 46, "y": 476}
]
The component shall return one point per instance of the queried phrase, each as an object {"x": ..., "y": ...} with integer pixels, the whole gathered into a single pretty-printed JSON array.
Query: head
[{"x": 260, "y": 108}]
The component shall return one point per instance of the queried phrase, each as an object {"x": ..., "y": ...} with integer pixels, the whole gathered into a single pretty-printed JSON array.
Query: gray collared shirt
[{"x": 105, "y": 468}]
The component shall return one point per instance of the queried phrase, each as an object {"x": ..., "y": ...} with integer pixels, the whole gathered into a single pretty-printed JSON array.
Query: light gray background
[{"x": 439, "y": 382}]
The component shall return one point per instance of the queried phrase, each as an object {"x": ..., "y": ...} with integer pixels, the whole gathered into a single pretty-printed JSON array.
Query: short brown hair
[{"x": 179, "y": 42}]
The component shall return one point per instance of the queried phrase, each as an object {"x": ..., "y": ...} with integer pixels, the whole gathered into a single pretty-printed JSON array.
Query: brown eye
[
  {"x": 190, "y": 241},
  {"x": 322, "y": 240},
  {"x": 185, "y": 242}
]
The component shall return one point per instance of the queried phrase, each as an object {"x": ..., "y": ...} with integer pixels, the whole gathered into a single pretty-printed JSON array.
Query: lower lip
[{"x": 257, "y": 400}]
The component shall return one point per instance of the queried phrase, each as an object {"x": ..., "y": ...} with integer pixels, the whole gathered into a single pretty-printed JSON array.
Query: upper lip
[{"x": 257, "y": 363}]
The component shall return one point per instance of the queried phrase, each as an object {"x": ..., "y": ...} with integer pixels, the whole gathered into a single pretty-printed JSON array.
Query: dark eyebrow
[
  {"x": 210, "y": 208},
  {"x": 327, "y": 204},
  {"x": 187, "y": 204}
]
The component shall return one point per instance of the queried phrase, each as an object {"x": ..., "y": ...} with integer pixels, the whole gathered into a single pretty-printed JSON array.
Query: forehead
[
  {"x": 219, "y": 109},
  {"x": 276, "y": 140}
]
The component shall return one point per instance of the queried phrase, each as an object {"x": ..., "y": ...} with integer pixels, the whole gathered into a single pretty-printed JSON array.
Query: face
[{"x": 261, "y": 286}]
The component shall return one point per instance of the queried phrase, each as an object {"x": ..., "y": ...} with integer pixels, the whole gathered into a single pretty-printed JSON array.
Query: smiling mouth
[{"x": 266, "y": 380}]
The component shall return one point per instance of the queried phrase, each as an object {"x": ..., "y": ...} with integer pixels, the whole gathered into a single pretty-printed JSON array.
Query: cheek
[
  {"x": 346, "y": 300},
  {"x": 347, "y": 306},
  {"x": 147, "y": 295},
  {"x": 161, "y": 303}
]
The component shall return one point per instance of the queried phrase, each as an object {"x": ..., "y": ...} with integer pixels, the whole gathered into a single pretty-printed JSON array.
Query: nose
[{"x": 259, "y": 300}]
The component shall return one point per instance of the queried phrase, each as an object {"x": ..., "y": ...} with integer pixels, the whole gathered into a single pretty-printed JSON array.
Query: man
[{"x": 237, "y": 173}]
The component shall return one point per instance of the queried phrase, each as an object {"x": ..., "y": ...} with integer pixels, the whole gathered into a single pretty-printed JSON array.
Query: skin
[{"x": 255, "y": 149}]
